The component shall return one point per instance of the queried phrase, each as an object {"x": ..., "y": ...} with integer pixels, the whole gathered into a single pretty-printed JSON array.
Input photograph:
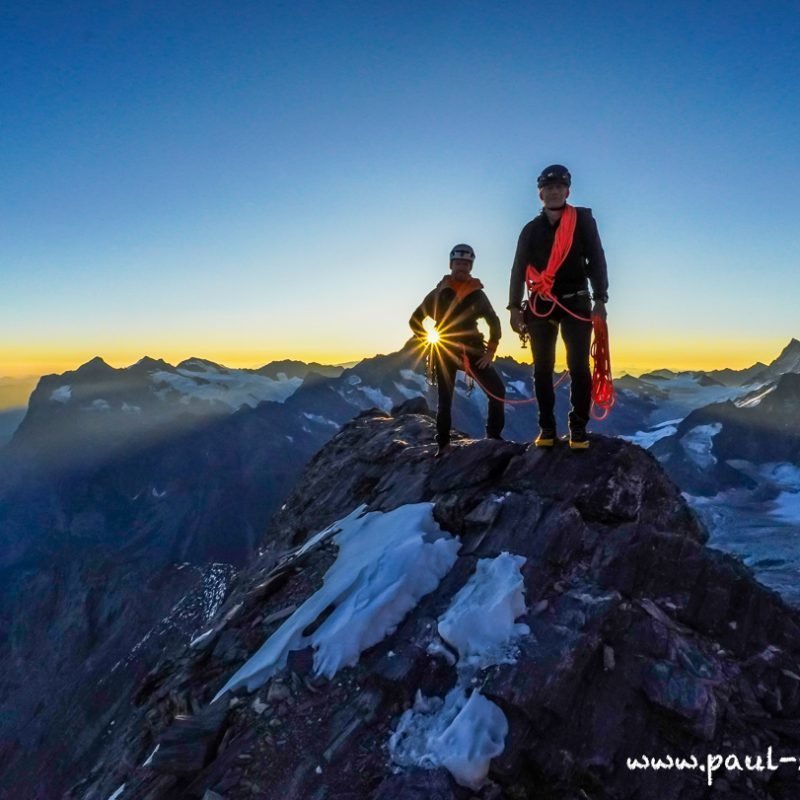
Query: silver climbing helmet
[{"x": 462, "y": 251}]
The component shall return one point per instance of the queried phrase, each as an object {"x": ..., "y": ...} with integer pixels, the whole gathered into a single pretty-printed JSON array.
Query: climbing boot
[
  {"x": 578, "y": 438},
  {"x": 546, "y": 437}
]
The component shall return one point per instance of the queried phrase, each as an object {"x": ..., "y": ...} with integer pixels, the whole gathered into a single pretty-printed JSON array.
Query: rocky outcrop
[{"x": 642, "y": 642}]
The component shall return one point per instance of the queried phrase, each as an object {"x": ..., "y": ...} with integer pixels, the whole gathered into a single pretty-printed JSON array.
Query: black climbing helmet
[
  {"x": 555, "y": 173},
  {"x": 462, "y": 251}
]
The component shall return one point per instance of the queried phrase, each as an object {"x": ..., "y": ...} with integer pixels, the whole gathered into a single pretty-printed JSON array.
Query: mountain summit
[
  {"x": 501, "y": 622},
  {"x": 787, "y": 361}
]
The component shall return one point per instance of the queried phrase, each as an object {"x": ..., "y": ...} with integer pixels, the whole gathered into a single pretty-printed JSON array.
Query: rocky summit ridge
[{"x": 641, "y": 642}]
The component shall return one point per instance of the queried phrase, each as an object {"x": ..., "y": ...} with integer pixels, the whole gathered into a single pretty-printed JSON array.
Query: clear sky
[{"x": 247, "y": 181}]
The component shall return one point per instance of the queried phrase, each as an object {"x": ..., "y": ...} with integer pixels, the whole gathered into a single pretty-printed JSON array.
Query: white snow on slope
[
  {"x": 61, "y": 395},
  {"x": 684, "y": 393},
  {"x": 386, "y": 564},
  {"x": 149, "y": 759},
  {"x": 407, "y": 391},
  {"x": 752, "y": 402},
  {"x": 99, "y": 405},
  {"x": 647, "y": 439},
  {"x": 414, "y": 377},
  {"x": 232, "y": 387},
  {"x": 116, "y": 794},
  {"x": 463, "y": 733},
  {"x": 377, "y": 398},
  {"x": 787, "y": 507},
  {"x": 480, "y": 621},
  {"x": 320, "y": 420},
  {"x": 782, "y": 473},
  {"x": 697, "y": 444},
  {"x": 521, "y": 387}
]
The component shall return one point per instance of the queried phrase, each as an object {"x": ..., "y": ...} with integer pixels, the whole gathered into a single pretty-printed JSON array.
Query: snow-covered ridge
[
  {"x": 100, "y": 387},
  {"x": 232, "y": 387}
]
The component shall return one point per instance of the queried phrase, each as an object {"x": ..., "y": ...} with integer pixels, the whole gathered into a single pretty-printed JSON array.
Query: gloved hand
[
  {"x": 599, "y": 310},
  {"x": 518, "y": 321}
]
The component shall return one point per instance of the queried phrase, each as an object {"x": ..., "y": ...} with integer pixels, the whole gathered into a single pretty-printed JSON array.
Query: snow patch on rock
[
  {"x": 61, "y": 395},
  {"x": 480, "y": 621},
  {"x": 320, "y": 420},
  {"x": 464, "y": 731},
  {"x": 377, "y": 398},
  {"x": 787, "y": 507},
  {"x": 459, "y": 733},
  {"x": 414, "y": 377},
  {"x": 387, "y": 562},
  {"x": 406, "y": 391},
  {"x": 646, "y": 439},
  {"x": 697, "y": 444},
  {"x": 521, "y": 387}
]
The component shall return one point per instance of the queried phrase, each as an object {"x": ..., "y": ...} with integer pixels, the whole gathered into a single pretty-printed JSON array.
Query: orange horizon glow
[{"x": 632, "y": 357}]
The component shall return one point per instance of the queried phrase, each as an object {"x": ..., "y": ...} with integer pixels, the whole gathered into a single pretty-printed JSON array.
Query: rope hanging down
[
  {"x": 602, "y": 383},
  {"x": 603, "y": 396}
]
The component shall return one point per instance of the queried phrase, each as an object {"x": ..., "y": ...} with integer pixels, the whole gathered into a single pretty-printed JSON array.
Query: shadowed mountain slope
[{"x": 639, "y": 641}]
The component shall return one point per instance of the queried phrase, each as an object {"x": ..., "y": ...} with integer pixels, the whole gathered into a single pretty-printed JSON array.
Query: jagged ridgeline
[{"x": 498, "y": 623}]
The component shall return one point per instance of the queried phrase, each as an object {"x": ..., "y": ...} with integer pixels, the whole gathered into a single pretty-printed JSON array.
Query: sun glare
[{"x": 433, "y": 337}]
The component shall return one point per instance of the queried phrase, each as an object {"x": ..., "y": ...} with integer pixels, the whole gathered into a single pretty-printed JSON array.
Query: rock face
[
  {"x": 116, "y": 477},
  {"x": 642, "y": 643}
]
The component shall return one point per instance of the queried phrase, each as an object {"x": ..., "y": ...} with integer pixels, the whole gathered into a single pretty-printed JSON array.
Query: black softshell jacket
[
  {"x": 585, "y": 259},
  {"x": 458, "y": 319}
]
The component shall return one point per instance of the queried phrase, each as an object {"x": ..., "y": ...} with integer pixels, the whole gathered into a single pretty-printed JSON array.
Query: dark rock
[
  {"x": 417, "y": 784},
  {"x": 190, "y": 742},
  {"x": 642, "y": 640},
  {"x": 416, "y": 405}
]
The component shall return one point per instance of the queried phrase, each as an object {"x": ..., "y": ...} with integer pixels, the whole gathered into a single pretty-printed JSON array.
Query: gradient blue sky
[{"x": 248, "y": 181}]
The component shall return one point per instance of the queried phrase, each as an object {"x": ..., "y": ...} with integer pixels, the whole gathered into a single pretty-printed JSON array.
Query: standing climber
[
  {"x": 455, "y": 306},
  {"x": 556, "y": 253}
]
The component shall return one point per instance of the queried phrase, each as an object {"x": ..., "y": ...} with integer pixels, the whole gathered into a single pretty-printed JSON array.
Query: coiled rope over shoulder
[{"x": 540, "y": 282}]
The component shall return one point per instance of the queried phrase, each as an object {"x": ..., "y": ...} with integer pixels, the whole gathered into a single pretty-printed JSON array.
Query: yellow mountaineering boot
[
  {"x": 578, "y": 438},
  {"x": 546, "y": 437}
]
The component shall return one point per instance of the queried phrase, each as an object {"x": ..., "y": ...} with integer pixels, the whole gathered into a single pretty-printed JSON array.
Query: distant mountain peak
[
  {"x": 789, "y": 358},
  {"x": 195, "y": 363},
  {"x": 95, "y": 365},
  {"x": 793, "y": 347},
  {"x": 150, "y": 363}
]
